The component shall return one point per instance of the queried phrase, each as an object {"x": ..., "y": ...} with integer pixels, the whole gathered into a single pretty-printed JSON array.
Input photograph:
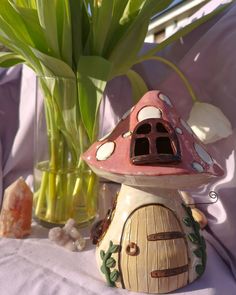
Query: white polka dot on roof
[
  {"x": 203, "y": 154},
  {"x": 149, "y": 112},
  {"x": 127, "y": 134},
  {"x": 165, "y": 98},
  {"x": 105, "y": 151},
  {"x": 197, "y": 167},
  {"x": 178, "y": 130}
]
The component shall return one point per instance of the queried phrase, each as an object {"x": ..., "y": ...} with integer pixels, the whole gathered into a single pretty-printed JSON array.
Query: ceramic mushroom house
[{"x": 150, "y": 241}]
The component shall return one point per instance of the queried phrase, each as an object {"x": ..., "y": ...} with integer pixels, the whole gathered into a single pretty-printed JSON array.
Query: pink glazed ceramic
[{"x": 149, "y": 241}]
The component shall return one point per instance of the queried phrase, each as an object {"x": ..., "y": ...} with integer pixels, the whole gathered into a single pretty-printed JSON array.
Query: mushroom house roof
[{"x": 152, "y": 145}]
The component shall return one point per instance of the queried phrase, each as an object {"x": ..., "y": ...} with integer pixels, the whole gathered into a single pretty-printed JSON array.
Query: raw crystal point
[{"x": 16, "y": 214}]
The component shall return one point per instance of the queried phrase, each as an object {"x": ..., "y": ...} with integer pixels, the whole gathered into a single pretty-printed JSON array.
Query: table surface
[{"x": 36, "y": 266}]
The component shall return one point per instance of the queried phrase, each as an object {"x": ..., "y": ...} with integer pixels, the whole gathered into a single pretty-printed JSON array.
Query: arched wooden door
[{"x": 154, "y": 255}]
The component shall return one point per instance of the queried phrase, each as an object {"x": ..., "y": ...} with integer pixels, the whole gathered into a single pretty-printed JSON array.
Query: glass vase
[{"x": 64, "y": 186}]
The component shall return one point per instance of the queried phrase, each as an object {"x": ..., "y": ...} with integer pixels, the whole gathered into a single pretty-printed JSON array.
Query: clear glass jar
[{"x": 64, "y": 186}]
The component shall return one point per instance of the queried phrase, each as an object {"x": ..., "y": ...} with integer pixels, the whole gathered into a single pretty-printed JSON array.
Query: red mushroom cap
[{"x": 152, "y": 146}]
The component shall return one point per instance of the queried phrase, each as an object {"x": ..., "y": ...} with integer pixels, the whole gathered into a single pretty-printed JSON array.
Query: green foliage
[
  {"x": 114, "y": 275},
  {"x": 102, "y": 254},
  {"x": 196, "y": 239},
  {"x": 91, "y": 41},
  {"x": 109, "y": 262}
]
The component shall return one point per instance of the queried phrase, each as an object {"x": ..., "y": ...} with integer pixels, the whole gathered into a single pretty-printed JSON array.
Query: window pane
[
  {"x": 161, "y": 128},
  {"x": 141, "y": 146},
  {"x": 144, "y": 129},
  {"x": 163, "y": 145}
]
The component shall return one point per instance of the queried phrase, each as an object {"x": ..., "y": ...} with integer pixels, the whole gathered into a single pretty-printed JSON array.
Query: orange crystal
[{"x": 16, "y": 214}]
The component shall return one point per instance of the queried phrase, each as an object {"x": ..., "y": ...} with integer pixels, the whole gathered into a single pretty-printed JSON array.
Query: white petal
[{"x": 209, "y": 123}]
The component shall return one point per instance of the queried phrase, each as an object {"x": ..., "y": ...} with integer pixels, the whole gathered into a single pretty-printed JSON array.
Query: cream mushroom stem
[{"x": 178, "y": 72}]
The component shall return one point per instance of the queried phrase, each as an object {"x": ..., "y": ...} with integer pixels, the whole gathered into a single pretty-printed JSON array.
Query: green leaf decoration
[
  {"x": 198, "y": 252},
  {"x": 102, "y": 254},
  {"x": 187, "y": 221},
  {"x": 197, "y": 225},
  {"x": 103, "y": 269},
  {"x": 193, "y": 238},
  {"x": 110, "y": 262},
  {"x": 110, "y": 244},
  {"x": 203, "y": 242},
  {"x": 114, "y": 248},
  {"x": 199, "y": 269},
  {"x": 114, "y": 275}
]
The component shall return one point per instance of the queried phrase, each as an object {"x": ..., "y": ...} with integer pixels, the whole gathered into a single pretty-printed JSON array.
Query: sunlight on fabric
[
  {"x": 196, "y": 57},
  {"x": 229, "y": 175}
]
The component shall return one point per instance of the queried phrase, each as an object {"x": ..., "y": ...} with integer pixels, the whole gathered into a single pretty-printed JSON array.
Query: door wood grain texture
[{"x": 161, "y": 263}]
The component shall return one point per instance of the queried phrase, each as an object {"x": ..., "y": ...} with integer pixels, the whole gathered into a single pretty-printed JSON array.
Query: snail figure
[{"x": 149, "y": 241}]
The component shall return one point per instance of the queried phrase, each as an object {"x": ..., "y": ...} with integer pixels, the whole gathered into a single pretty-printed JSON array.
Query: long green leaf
[
  {"x": 132, "y": 8},
  {"x": 93, "y": 73},
  {"x": 48, "y": 21},
  {"x": 55, "y": 67},
  {"x": 95, "y": 67},
  {"x": 64, "y": 30},
  {"x": 139, "y": 87},
  {"x": 133, "y": 38},
  {"x": 8, "y": 59},
  {"x": 30, "y": 18},
  {"x": 10, "y": 17},
  {"x": 80, "y": 23},
  {"x": 11, "y": 41},
  {"x": 101, "y": 23},
  {"x": 25, "y": 3}
]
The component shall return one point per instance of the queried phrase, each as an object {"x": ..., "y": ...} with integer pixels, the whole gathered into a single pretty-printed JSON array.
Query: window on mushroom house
[{"x": 154, "y": 142}]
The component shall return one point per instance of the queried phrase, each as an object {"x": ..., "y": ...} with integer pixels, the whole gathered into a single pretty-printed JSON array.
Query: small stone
[
  {"x": 80, "y": 244},
  {"x": 68, "y": 236},
  {"x": 16, "y": 214}
]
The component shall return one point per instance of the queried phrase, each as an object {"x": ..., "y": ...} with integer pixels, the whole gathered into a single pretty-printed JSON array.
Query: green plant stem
[
  {"x": 178, "y": 72},
  {"x": 41, "y": 194},
  {"x": 69, "y": 179}
]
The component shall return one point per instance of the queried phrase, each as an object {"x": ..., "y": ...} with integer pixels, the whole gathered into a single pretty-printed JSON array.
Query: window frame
[{"x": 153, "y": 157}]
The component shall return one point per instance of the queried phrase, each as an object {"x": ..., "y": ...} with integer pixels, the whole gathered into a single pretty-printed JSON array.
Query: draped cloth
[{"x": 207, "y": 57}]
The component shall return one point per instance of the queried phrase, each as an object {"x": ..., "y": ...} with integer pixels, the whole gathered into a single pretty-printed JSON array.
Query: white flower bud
[{"x": 208, "y": 122}]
